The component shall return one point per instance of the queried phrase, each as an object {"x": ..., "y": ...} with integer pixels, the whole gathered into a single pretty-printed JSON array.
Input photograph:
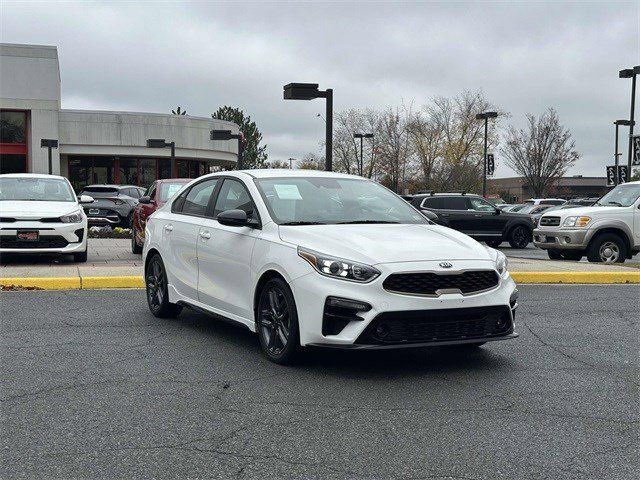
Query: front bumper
[
  {"x": 557, "y": 238},
  {"x": 311, "y": 292},
  {"x": 66, "y": 238}
]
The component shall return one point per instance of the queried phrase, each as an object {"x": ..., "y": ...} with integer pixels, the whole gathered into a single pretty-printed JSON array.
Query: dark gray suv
[{"x": 112, "y": 205}]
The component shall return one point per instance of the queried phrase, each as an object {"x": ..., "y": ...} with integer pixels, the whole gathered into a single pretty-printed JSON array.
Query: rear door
[
  {"x": 224, "y": 254},
  {"x": 180, "y": 233},
  {"x": 455, "y": 210}
]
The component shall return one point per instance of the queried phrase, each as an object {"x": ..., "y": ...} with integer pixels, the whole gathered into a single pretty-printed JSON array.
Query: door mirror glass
[
  {"x": 85, "y": 199},
  {"x": 145, "y": 200},
  {"x": 233, "y": 218}
]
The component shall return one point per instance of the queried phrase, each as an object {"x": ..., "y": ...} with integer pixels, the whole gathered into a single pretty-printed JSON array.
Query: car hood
[
  {"x": 21, "y": 209},
  {"x": 588, "y": 211},
  {"x": 385, "y": 243}
]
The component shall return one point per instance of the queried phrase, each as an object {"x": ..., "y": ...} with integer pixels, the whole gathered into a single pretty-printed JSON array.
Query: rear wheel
[
  {"x": 277, "y": 322},
  {"x": 607, "y": 248},
  {"x": 573, "y": 255},
  {"x": 157, "y": 292},
  {"x": 135, "y": 248},
  {"x": 554, "y": 254},
  {"x": 519, "y": 237},
  {"x": 494, "y": 243}
]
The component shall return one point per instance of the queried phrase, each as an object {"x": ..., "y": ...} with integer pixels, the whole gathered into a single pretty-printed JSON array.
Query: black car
[
  {"x": 478, "y": 218},
  {"x": 112, "y": 205}
]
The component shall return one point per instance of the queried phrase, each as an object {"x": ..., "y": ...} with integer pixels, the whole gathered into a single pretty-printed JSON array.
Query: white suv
[
  {"x": 315, "y": 258},
  {"x": 608, "y": 231}
]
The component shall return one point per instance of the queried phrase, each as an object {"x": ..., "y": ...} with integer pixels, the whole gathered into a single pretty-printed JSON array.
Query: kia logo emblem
[{"x": 445, "y": 264}]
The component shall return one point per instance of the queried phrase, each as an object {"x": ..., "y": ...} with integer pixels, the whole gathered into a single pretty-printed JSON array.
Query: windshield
[
  {"x": 168, "y": 190},
  {"x": 35, "y": 189},
  {"x": 527, "y": 208},
  {"x": 329, "y": 200},
  {"x": 621, "y": 196}
]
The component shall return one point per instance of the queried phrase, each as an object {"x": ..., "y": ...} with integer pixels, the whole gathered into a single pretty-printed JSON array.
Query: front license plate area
[
  {"x": 28, "y": 235},
  {"x": 94, "y": 211}
]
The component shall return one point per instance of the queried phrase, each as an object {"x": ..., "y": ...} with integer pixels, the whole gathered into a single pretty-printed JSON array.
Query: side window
[
  {"x": 480, "y": 205},
  {"x": 197, "y": 198},
  {"x": 432, "y": 202},
  {"x": 454, "y": 203},
  {"x": 234, "y": 195},
  {"x": 132, "y": 192}
]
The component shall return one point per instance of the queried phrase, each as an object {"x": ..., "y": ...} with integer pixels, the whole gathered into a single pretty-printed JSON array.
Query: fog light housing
[{"x": 338, "y": 312}]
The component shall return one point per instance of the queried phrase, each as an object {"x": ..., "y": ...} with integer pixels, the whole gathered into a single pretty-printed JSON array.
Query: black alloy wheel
[
  {"x": 520, "y": 237},
  {"x": 494, "y": 243},
  {"x": 157, "y": 293},
  {"x": 278, "y": 322}
]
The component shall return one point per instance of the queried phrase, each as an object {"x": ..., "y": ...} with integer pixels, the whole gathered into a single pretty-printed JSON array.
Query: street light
[
  {"x": 362, "y": 136},
  {"x": 291, "y": 160},
  {"x": 485, "y": 116},
  {"x": 49, "y": 144},
  {"x": 227, "y": 135},
  {"x": 162, "y": 143},
  {"x": 631, "y": 73},
  {"x": 618, "y": 123},
  {"x": 309, "y": 91}
]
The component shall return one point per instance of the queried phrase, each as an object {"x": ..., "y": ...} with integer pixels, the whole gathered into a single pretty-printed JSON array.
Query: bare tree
[
  {"x": 542, "y": 152},
  {"x": 346, "y": 149},
  {"x": 311, "y": 161},
  {"x": 393, "y": 146}
]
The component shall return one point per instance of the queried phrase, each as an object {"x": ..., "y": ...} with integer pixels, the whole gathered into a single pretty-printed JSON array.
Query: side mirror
[
  {"x": 497, "y": 211},
  {"x": 85, "y": 199},
  {"x": 146, "y": 200},
  {"x": 430, "y": 215},
  {"x": 233, "y": 218}
]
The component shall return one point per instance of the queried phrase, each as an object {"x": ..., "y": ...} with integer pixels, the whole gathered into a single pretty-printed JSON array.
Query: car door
[
  {"x": 487, "y": 219},
  {"x": 224, "y": 254},
  {"x": 180, "y": 233}
]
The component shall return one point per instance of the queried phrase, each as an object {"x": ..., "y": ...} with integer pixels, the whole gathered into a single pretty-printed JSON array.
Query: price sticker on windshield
[{"x": 287, "y": 192}]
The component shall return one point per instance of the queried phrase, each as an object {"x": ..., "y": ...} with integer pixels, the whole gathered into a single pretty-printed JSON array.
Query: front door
[
  {"x": 486, "y": 218},
  {"x": 224, "y": 255}
]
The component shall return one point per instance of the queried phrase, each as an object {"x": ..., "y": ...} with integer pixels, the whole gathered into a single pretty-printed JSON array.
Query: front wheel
[
  {"x": 277, "y": 322},
  {"x": 80, "y": 257},
  {"x": 607, "y": 248},
  {"x": 519, "y": 237},
  {"x": 494, "y": 243},
  {"x": 554, "y": 255},
  {"x": 157, "y": 292}
]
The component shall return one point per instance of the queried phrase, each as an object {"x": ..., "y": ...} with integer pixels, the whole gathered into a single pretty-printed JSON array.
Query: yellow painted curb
[
  {"x": 44, "y": 283},
  {"x": 576, "y": 277},
  {"x": 89, "y": 283}
]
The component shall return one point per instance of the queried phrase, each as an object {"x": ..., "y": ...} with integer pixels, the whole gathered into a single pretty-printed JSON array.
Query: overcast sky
[{"x": 140, "y": 56}]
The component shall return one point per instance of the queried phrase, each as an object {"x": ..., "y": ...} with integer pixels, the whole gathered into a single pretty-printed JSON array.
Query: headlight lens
[
  {"x": 338, "y": 267},
  {"x": 576, "y": 221},
  {"x": 501, "y": 262},
  {"x": 75, "y": 217}
]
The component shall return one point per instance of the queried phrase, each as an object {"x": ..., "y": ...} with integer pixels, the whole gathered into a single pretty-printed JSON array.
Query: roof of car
[
  {"x": 108, "y": 185},
  {"x": 446, "y": 194},
  {"x": 30, "y": 175},
  {"x": 284, "y": 172}
]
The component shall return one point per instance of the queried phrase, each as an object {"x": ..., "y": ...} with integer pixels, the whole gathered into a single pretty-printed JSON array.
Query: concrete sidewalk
[{"x": 112, "y": 265}]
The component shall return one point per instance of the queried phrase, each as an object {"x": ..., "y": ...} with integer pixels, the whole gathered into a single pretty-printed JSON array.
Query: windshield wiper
[
  {"x": 303, "y": 223},
  {"x": 365, "y": 221}
]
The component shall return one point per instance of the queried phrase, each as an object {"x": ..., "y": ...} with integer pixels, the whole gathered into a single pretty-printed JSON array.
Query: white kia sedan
[
  {"x": 308, "y": 258},
  {"x": 40, "y": 214}
]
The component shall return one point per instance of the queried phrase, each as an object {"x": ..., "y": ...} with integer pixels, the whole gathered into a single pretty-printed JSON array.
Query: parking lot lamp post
[
  {"x": 485, "y": 116},
  {"x": 228, "y": 135},
  {"x": 618, "y": 123},
  {"x": 49, "y": 144},
  {"x": 362, "y": 136},
  {"x": 631, "y": 73},
  {"x": 162, "y": 143},
  {"x": 309, "y": 91}
]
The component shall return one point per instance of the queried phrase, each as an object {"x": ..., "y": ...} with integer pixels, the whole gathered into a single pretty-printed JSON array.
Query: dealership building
[{"x": 94, "y": 146}]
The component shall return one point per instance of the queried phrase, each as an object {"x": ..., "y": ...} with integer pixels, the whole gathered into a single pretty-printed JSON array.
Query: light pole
[
  {"x": 309, "y": 91},
  {"x": 631, "y": 73},
  {"x": 162, "y": 143},
  {"x": 291, "y": 160},
  {"x": 362, "y": 136},
  {"x": 227, "y": 135},
  {"x": 49, "y": 144},
  {"x": 485, "y": 116},
  {"x": 618, "y": 123}
]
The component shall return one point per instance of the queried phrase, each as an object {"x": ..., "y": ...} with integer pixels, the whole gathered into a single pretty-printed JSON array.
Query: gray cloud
[{"x": 524, "y": 56}]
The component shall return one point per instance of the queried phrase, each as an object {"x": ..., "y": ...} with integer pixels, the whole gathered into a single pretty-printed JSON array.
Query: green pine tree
[{"x": 255, "y": 156}]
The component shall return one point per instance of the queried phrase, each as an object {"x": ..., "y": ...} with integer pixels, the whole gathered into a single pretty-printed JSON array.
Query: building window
[
  {"x": 148, "y": 171},
  {"x": 13, "y": 127}
]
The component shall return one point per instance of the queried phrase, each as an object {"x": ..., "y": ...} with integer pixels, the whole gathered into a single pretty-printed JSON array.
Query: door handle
[
  {"x": 206, "y": 235},
  {"x": 445, "y": 214},
  {"x": 478, "y": 215},
  {"x": 168, "y": 228}
]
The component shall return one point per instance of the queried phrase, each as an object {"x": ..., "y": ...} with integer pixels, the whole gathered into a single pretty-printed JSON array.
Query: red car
[{"x": 157, "y": 195}]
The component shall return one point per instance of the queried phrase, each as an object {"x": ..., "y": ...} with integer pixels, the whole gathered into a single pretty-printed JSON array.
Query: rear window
[{"x": 98, "y": 192}]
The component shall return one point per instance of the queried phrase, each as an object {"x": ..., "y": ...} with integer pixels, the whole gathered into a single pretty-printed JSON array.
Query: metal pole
[
  {"x": 373, "y": 169},
  {"x": 633, "y": 104},
  {"x": 329, "y": 131},
  {"x": 617, "y": 156},
  {"x": 240, "y": 153},
  {"x": 484, "y": 175},
  {"x": 50, "y": 162},
  {"x": 361, "y": 167}
]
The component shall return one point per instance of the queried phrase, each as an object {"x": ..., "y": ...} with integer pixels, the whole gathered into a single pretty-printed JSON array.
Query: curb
[{"x": 92, "y": 283}]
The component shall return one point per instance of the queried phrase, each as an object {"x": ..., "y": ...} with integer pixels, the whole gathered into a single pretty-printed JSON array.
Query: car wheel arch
[
  {"x": 615, "y": 231},
  {"x": 150, "y": 254},
  {"x": 264, "y": 278}
]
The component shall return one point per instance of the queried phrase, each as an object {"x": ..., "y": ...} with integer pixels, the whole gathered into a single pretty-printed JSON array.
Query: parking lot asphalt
[{"x": 94, "y": 386}]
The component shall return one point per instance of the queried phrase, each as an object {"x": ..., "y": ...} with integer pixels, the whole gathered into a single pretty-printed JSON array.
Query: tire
[
  {"x": 607, "y": 248},
  {"x": 554, "y": 255},
  {"x": 573, "y": 255},
  {"x": 519, "y": 237},
  {"x": 277, "y": 322},
  {"x": 494, "y": 243},
  {"x": 155, "y": 279},
  {"x": 127, "y": 222},
  {"x": 135, "y": 248},
  {"x": 80, "y": 257}
]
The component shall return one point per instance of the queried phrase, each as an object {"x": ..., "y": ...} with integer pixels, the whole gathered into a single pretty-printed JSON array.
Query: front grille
[
  {"x": 429, "y": 283},
  {"x": 418, "y": 326},
  {"x": 550, "y": 221},
  {"x": 7, "y": 220},
  {"x": 102, "y": 212},
  {"x": 49, "y": 241}
]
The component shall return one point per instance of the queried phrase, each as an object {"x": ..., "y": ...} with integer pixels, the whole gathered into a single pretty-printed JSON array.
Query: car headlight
[
  {"x": 501, "y": 262},
  {"x": 576, "y": 221},
  {"x": 338, "y": 267},
  {"x": 75, "y": 217}
]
